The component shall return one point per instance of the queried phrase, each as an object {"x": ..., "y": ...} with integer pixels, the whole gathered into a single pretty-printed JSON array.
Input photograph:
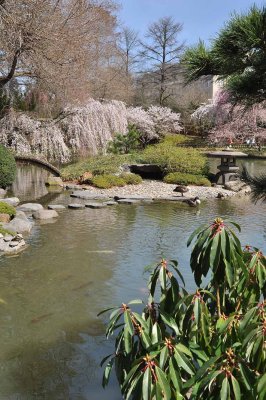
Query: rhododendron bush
[
  {"x": 83, "y": 130},
  {"x": 234, "y": 123}
]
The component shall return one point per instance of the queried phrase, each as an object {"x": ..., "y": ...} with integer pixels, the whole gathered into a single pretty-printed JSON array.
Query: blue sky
[{"x": 200, "y": 18}]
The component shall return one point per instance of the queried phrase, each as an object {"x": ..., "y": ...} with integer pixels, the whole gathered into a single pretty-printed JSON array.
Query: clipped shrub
[
  {"x": 180, "y": 178},
  {"x": 97, "y": 165},
  {"x": 7, "y": 167},
  {"x": 107, "y": 181},
  {"x": 131, "y": 179},
  {"x": 7, "y": 209},
  {"x": 175, "y": 159}
]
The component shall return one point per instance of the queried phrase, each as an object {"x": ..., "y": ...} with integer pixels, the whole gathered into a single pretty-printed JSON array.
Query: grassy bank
[{"x": 188, "y": 164}]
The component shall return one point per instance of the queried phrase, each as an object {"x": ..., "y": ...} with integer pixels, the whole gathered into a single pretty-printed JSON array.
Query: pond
[{"x": 51, "y": 339}]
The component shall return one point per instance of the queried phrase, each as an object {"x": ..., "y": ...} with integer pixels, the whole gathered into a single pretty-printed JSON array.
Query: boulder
[
  {"x": 56, "y": 207},
  {"x": 30, "y": 207},
  {"x": 21, "y": 215},
  {"x": 85, "y": 178},
  {"x": 4, "y": 218},
  {"x": 235, "y": 186},
  {"x": 45, "y": 214},
  {"x": 2, "y": 193},
  {"x": 54, "y": 181},
  {"x": 13, "y": 201},
  {"x": 19, "y": 225}
]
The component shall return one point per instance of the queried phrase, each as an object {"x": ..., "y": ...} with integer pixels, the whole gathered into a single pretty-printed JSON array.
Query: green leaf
[
  {"x": 201, "y": 371},
  {"x": 174, "y": 374},
  {"x": 164, "y": 384},
  {"x": 261, "y": 388},
  {"x": 146, "y": 385},
  {"x": 163, "y": 357},
  {"x": 236, "y": 388},
  {"x": 196, "y": 310},
  {"x": 107, "y": 372},
  {"x": 215, "y": 252},
  {"x": 194, "y": 233},
  {"x": 183, "y": 362},
  {"x": 128, "y": 322},
  {"x": 247, "y": 318},
  {"x": 168, "y": 320},
  {"x": 135, "y": 301},
  {"x": 105, "y": 359},
  {"x": 222, "y": 324},
  {"x": 183, "y": 349},
  {"x": 162, "y": 277},
  {"x": 236, "y": 225},
  {"x": 156, "y": 335},
  {"x": 229, "y": 271},
  {"x": 225, "y": 391},
  {"x": 246, "y": 375},
  {"x": 127, "y": 340},
  {"x": 106, "y": 310}
]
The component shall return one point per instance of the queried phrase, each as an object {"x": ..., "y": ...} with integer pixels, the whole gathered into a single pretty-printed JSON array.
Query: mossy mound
[
  {"x": 179, "y": 178},
  {"x": 7, "y": 209}
]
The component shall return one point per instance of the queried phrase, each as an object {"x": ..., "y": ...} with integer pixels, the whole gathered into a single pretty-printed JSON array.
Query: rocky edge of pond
[{"x": 12, "y": 242}]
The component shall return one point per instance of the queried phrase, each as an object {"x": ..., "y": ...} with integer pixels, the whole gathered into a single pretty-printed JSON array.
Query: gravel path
[{"x": 157, "y": 189}]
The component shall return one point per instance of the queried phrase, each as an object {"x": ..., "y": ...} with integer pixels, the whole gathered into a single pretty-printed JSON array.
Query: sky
[{"x": 201, "y": 19}]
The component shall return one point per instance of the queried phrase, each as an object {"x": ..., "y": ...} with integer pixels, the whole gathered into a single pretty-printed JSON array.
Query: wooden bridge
[{"x": 42, "y": 163}]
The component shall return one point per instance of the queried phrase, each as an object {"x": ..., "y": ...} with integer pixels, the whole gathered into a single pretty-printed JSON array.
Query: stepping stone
[
  {"x": 56, "y": 207},
  {"x": 95, "y": 205},
  {"x": 45, "y": 214},
  {"x": 111, "y": 203},
  {"x": 88, "y": 195},
  {"x": 128, "y": 201},
  {"x": 132, "y": 197},
  {"x": 76, "y": 206}
]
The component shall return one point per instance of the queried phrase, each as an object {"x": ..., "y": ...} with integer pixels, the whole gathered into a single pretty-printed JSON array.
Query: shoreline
[{"x": 154, "y": 190}]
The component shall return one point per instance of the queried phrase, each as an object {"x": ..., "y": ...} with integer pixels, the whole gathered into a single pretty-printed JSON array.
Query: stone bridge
[{"x": 42, "y": 163}]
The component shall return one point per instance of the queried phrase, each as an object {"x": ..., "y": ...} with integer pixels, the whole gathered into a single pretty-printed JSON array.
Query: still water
[{"x": 51, "y": 340}]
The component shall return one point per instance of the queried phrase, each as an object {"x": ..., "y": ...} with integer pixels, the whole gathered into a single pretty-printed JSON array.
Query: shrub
[
  {"x": 175, "y": 159},
  {"x": 7, "y": 209},
  {"x": 7, "y": 167},
  {"x": 176, "y": 139},
  {"x": 208, "y": 344},
  {"x": 107, "y": 181},
  {"x": 124, "y": 144},
  {"x": 131, "y": 179},
  {"x": 97, "y": 165},
  {"x": 186, "y": 179}
]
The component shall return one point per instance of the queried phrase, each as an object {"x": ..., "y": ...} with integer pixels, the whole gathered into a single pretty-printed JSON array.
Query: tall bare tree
[
  {"x": 52, "y": 43},
  {"x": 161, "y": 50}
]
